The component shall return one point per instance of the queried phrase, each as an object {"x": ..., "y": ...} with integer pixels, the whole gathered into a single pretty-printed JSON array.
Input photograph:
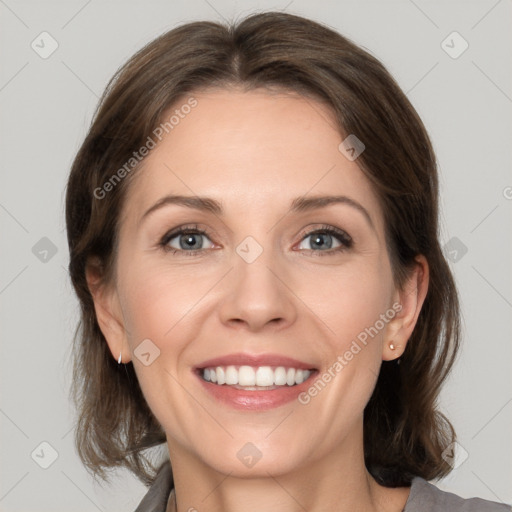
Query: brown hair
[{"x": 404, "y": 434}]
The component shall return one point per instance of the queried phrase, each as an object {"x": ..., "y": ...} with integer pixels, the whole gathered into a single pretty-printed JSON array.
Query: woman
[{"x": 253, "y": 234}]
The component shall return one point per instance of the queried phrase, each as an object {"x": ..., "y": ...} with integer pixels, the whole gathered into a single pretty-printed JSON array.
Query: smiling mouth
[{"x": 255, "y": 378}]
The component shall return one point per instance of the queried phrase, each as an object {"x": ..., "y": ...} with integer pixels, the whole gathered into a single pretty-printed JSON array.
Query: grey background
[{"x": 47, "y": 105}]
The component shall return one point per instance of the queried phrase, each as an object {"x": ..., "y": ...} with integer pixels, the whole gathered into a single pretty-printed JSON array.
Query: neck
[{"x": 337, "y": 481}]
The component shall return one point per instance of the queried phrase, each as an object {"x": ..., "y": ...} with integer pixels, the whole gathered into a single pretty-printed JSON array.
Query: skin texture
[{"x": 255, "y": 152}]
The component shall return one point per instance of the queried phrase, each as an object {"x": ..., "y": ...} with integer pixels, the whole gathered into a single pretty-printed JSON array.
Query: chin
[
  {"x": 275, "y": 465},
  {"x": 252, "y": 456}
]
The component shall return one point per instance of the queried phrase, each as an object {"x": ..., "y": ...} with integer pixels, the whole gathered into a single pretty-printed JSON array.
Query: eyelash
[{"x": 343, "y": 238}]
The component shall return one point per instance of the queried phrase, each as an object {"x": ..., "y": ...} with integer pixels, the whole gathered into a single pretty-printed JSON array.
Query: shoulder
[
  {"x": 155, "y": 500},
  {"x": 426, "y": 497}
]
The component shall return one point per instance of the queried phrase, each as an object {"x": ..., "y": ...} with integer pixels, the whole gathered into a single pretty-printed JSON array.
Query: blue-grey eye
[
  {"x": 326, "y": 239},
  {"x": 188, "y": 241},
  {"x": 320, "y": 241}
]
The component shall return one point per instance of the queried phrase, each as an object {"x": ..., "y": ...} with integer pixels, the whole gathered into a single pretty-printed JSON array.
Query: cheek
[
  {"x": 349, "y": 300},
  {"x": 156, "y": 302},
  {"x": 160, "y": 305}
]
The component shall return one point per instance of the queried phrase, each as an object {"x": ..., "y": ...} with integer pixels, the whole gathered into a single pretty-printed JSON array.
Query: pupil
[
  {"x": 189, "y": 240},
  {"x": 320, "y": 244}
]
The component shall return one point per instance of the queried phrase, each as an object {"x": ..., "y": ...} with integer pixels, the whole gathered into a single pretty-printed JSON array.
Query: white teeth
[
  {"x": 280, "y": 376},
  {"x": 221, "y": 375},
  {"x": 246, "y": 376},
  {"x": 262, "y": 376},
  {"x": 231, "y": 375}
]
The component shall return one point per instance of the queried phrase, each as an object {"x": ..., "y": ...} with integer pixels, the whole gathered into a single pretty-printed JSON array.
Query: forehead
[{"x": 256, "y": 148}]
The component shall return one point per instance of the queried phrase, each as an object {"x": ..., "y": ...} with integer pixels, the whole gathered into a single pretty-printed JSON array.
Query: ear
[
  {"x": 108, "y": 310},
  {"x": 411, "y": 298}
]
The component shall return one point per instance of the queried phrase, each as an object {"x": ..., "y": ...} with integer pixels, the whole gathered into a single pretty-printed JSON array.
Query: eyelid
[
  {"x": 326, "y": 228},
  {"x": 180, "y": 230},
  {"x": 172, "y": 233}
]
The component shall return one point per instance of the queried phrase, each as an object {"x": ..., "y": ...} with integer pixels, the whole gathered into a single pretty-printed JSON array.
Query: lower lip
[{"x": 255, "y": 400}]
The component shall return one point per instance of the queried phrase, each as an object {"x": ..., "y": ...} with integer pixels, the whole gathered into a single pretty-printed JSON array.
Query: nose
[{"x": 258, "y": 295}]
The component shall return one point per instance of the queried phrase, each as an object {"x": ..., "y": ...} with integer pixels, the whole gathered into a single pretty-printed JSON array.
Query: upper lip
[{"x": 240, "y": 359}]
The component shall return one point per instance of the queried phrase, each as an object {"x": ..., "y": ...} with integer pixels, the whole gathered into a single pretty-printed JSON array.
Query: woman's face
[{"x": 267, "y": 279}]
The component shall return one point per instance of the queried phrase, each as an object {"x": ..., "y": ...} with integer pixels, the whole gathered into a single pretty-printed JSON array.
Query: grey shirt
[{"x": 423, "y": 497}]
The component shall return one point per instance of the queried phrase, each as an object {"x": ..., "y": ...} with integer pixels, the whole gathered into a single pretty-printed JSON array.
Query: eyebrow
[{"x": 298, "y": 205}]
